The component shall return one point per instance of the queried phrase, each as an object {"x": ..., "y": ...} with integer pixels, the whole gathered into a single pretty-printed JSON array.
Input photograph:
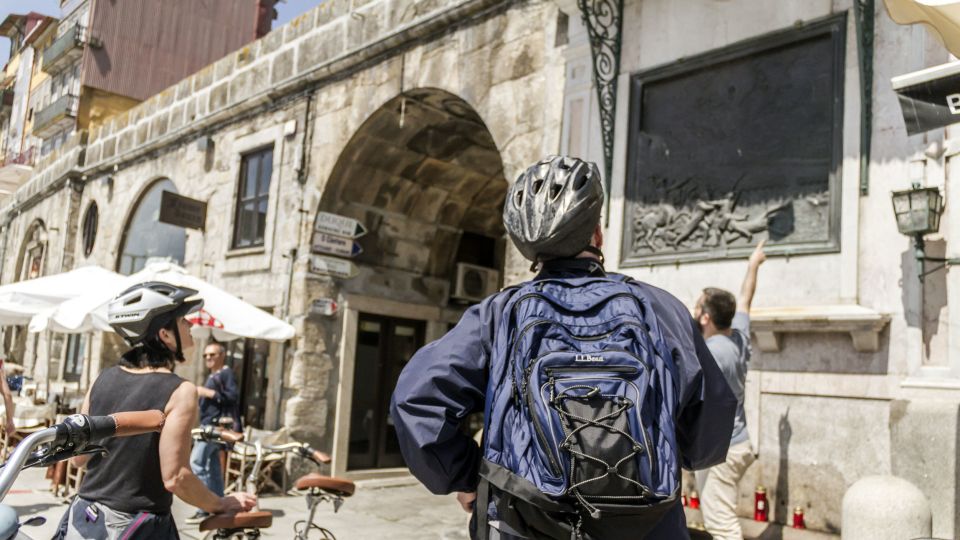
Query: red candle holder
[
  {"x": 760, "y": 505},
  {"x": 798, "y": 518}
]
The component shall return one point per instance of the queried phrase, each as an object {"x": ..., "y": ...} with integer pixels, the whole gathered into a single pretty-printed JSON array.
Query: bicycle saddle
[
  {"x": 241, "y": 520},
  {"x": 338, "y": 486}
]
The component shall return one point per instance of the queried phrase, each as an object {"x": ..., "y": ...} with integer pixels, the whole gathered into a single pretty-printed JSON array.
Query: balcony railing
[
  {"x": 58, "y": 114},
  {"x": 64, "y": 49}
]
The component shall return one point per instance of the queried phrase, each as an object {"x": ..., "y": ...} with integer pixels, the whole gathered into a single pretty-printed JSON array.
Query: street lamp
[{"x": 918, "y": 211}]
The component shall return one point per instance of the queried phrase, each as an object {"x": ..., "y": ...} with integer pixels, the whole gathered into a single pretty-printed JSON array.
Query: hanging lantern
[{"x": 918, "y": 210}]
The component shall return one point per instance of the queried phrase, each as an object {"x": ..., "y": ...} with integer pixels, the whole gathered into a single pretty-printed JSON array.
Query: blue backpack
[{"x": 579, "y": 436}]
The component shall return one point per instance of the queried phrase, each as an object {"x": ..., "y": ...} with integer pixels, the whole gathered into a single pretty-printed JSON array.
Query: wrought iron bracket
[
  {"x": 864, "y": 15},
  {"x": 919, "y": 252},
  {"x": 604, "y": 22}
]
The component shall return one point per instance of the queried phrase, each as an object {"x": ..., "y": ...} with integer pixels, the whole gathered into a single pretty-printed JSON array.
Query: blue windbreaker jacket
[{"x": 446, "y": 380}]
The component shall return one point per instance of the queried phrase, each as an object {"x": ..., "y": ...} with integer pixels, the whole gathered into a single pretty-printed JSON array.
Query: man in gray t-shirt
[{"x": 725, "y": 323}]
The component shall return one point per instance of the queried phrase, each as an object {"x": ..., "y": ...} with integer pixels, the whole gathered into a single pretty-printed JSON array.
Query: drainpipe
[{"x": 291, "y": 255}]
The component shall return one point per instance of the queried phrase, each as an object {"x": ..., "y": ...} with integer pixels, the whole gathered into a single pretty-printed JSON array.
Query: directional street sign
[
  {"x": 324, "y": 306},
  {"x": 335, "y": 245},
  {"x": 339, "y": 225},
  {"x": 332, "y": 266}
]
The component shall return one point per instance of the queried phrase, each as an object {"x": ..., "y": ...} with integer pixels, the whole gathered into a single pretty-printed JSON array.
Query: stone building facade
[{"x": 411, "y": 117}]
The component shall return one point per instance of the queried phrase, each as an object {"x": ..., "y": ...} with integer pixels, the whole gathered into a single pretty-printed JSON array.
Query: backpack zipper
[
  {"x": 597, "y": 337},
  {"x": 541, "y": 436},
  {"x": 550, "y": 371},
  {"x": 513, "y": 314}
]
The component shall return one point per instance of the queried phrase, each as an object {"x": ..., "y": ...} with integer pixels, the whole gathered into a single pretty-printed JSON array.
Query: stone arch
[
  {"x": 33, "y": 251},
  {"x": 425, "y": 177},
  {"x": 164, "y": 240},
  {"x": 423, "y": 166},
  {"x": 31, "y": 263}
]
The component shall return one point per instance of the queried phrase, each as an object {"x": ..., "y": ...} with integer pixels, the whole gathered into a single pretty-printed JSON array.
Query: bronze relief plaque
[{"x": 735, "y": 146}]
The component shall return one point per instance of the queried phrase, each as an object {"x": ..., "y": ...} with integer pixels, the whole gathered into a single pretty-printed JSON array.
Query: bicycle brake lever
[{"x": 45, "y": 460}]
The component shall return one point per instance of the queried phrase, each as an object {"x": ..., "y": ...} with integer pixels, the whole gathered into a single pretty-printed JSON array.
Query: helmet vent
[
  {"x": 581, "y": 180},
  {"x": 555, "y": 190},
  {"x": 133, "y": 300},
  {"x": 537, "y": 185},
  {"x": 518, "y": 198}
]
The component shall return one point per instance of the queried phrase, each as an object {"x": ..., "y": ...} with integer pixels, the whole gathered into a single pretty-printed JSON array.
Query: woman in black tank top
[{"x": 128, "y": 492}]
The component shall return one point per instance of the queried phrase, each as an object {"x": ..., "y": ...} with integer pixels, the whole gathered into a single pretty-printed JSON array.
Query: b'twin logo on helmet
[{"x": 587, "y": 358}]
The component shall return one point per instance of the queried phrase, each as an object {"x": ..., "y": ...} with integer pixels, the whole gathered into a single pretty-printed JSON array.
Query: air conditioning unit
[{"x": 474, "y": 283}]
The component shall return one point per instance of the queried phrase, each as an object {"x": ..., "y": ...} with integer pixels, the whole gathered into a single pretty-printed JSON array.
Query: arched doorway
[
  {"x": 30, "y": 265},
  {"x": 145, "y": 237},
  {"x": 424, "y": 176}
]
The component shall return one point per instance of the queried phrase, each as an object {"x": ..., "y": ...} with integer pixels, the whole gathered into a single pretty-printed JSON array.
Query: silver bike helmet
[
  {"x": 553, "y": 208},
  {"x": 142, "y": 310}
]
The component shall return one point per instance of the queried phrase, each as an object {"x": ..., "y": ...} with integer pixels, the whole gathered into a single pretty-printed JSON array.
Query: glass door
[{"x": 384, "y": 346}]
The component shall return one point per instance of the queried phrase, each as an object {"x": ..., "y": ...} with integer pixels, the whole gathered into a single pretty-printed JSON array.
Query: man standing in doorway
[
  {"x": 219, "y": 399},
  {"x": 725, "y": 323}
]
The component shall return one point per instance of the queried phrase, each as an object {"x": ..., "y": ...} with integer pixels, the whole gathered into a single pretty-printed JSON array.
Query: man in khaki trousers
[{"x": 725, "y": 323}]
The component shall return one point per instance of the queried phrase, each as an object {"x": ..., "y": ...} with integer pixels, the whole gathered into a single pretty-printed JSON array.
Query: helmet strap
[
  {"x": 596, "y": 251},
  {"x": 178, "y": 354}
]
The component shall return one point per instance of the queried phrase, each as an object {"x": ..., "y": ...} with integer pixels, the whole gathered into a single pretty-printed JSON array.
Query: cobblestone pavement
[
  {"x": 379, "y": 510},
  {"x": 396, "y": 509}
]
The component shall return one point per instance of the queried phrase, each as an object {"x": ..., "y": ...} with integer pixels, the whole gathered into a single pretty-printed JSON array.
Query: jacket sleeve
[
  {"x": 442, "y": 384},
  {"x": 707, "y": 409},
  {"x": 227, "y": 394}
]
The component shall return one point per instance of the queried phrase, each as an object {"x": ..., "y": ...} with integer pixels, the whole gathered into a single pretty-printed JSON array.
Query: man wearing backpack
[
  {"x": 725, "y": 323},
  {"x": 595, "y": 388}
]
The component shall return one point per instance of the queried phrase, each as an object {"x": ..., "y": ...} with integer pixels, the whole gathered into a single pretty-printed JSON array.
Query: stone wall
[
  {"x": 306, "y": 89},
  {"x": 819, "y": 410}
]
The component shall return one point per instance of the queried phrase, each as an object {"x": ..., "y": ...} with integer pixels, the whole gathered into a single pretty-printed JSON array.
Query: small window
[
  {"x": 253, "y": 196},
  {"x": 90, "y": 221},
  {"x": 76, "y": 350}
]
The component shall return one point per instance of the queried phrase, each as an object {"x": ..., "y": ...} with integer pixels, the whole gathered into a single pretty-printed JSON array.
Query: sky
[{"x": 286, "y": 10}]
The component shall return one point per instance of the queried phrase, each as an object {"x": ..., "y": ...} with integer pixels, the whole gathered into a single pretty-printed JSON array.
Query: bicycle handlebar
[
  {"x": 213, "y": 433},
  {"x": 73, "y": 437},
  {"x": 321, "y": 457}
]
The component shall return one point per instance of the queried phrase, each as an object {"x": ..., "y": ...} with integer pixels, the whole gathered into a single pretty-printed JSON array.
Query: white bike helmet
[{"x": 142, "y": 310}]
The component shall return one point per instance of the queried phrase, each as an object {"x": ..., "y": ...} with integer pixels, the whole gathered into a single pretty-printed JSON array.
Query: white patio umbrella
[
  {"x": 21, "y": 300},
  {"x": 943, "y": 16},
  {"x": 224, "y": 316}
]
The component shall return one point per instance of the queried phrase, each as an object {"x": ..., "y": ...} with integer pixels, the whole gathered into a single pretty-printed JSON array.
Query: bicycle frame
[{"x": 314, "y": 498}]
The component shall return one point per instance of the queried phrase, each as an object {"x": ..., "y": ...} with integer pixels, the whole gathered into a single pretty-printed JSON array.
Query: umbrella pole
[{"x": 47, "y": 336}]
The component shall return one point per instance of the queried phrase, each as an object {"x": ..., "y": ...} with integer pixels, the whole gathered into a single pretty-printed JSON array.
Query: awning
[
  {"x": 21, "y": 300},
  {"x": 929, "y": 98},
  {"x": 224, "y": 316},
  {"x": 943, "y": 16}
]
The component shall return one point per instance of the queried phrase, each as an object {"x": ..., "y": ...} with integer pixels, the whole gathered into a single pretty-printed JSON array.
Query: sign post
[
  {"x": 332, "y": 266},
  {"x": 335, "y": 245},
  {"x": 324, "y": 306},
  {"x": 339, "y": 225}
]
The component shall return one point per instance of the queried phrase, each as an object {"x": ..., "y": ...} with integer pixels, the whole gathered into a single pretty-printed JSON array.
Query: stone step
[{"x": 756, "y": 530}]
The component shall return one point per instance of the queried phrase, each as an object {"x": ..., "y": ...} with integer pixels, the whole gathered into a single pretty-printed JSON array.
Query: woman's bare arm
[{"x": 175, "y": 443}]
